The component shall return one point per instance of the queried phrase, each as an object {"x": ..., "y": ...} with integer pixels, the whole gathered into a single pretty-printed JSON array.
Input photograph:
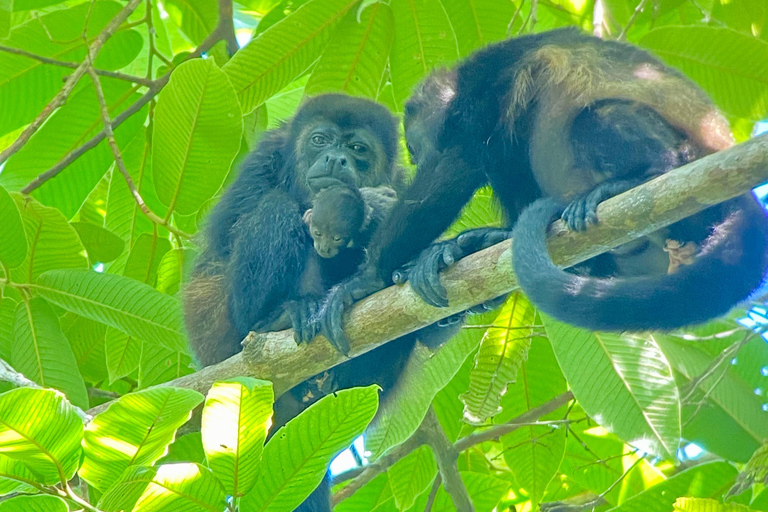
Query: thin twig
[
  {"x": 433, "y": 494},
  {"x": 71, "y": 82},
  {"x": 119, "y": 163},
  {"x": 446, "y": 455},
  {"x": 640, "y": 7},
  {"x": 726, "y": 355},
  {"x": 74, "y": 65}
]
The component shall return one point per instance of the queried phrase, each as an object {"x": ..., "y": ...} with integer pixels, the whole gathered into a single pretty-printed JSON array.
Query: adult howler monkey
[
  {"x": 568, "y": 116},
  {"x": 253, "y": 273}
]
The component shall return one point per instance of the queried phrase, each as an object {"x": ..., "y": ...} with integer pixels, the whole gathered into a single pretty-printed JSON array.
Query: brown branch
[
  {"x": 119, "y": 163},
  {"x": 447, "y": 455},
  {"x": 74, "y": 65},
  {"x": 433, "y": 494},
  {"x": 71, "y": 82}
]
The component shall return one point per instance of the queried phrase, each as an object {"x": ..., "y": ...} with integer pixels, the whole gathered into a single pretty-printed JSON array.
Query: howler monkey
[
  {"x": 252, "y": 273},
  {"x": 568, "y": 116}
]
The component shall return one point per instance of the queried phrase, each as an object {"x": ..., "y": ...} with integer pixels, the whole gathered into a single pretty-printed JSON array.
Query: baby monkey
[{"x": 343, "y": 217}]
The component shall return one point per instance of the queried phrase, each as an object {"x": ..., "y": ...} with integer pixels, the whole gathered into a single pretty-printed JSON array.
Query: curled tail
[{"x": 730, "y": 266}]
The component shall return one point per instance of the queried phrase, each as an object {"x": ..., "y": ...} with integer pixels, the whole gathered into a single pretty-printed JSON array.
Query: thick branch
[{"x": 487, "y": 274}]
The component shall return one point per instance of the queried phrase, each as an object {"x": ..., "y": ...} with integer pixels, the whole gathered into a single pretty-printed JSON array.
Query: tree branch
[
  {"x": 485, "y": 275},
  {"x": 446, "y": 454}
]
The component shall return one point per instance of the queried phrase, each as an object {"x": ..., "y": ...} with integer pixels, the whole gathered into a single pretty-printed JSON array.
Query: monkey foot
[{"x": 680, "y": 253}]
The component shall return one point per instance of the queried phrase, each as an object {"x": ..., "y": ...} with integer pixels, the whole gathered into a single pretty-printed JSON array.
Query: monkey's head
[
  {"x": 342, "y": 140},
  {"x": 336, "y": 217},
  {"x": 425, "y": 113}
]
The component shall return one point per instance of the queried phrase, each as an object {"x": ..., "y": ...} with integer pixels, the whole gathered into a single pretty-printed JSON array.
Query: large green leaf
[
  {"x": 368, "y": 497},
  {"x": 13, "y": 242},
  {"x": 34, "y": 504},
  {"x": 534, "y": 453},
  {"x": 120, "y": 302},
  {"x": 145, "y": 256},
  {"x": 53, "y": 243},
  {"x": 296, "y": 458},
  {"x": 101, "y": 244},
  {"x": 184, "y": 487},
  {"x": 729, "y": 65},
  {"x": 196, "y": 18},
  {"x": 425, "y": 374},
  {"x": 68, "y": 128},
  {"x": 356, "y": 57},
  {"x": 704, "y": 481},
  {"x": 122, "y": 353},
  {"x": 40, "y": 429},
  {"x": 87, "y": 340},
  {"x": 731, "y": 422},
  {"x": 503, "y": 349},
  {"x": 485, "y": 491},
  {"x": 7, "y": 319},
  {"x": 423, "y": 40},
  {"x": 624, "y": 383},
  {"x": 703, "y": 505},
  {"x": 411, "y": 475},
  {"x": 478, "y": 22},
  {"x": 275, "y": 57},
  {"x": 171, "y": 268},
  {"x": 159, "y": 364},
  {"x": 6, "y": 8},
  {"x": 198, "y": 125},
  {"x": 27, "y": 85},
  {"x": 235, "y": 420},
  {"x": 42, "y": 353},
  {"x": 135, "y": 430},
  {"x": 283, "y": 104}
]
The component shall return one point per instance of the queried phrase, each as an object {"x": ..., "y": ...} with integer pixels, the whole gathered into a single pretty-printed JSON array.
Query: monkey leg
[{"x": 582, "y": 211}]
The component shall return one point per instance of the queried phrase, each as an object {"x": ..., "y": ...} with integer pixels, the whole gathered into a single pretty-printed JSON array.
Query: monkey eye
[
  {"x": 358, "y": 148},
  {"x": 337, "y": 239},
  {"x": 318, "y": 139},
  {"x": 318, "y": 234}
]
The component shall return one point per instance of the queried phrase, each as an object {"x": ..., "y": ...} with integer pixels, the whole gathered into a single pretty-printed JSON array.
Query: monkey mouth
[{"x": 316, "y": 184}]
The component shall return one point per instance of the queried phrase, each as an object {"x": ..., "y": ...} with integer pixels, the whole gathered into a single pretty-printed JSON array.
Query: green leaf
[
  {"x": 424, "y": 40},
  {"x": 644, "y": 409},
  {"x": 187, "y": 448},
  {"x": 122, "y": 353},
  {"x": 53, "y": 243},
  {"x": 34, "y": 504},
  {"x": 755, "y": 472},
  {"x": 134, "y": 430},
  {"x": 503, "y": 349},
  {"x": 297, "y": 456},
  {"x": 7, "y": 319},
  {"x": 368, "y": 497},
  {"x": 425, "y": 374},
  {"x": 170, "y": 270},
  {"x": 485, "y": 491},
  {"x": 120, "y": 302},
  {"x": 13, "y": 242},
  {"x": 732, "y": 67},
  {"x": 236, "y": 417},
  {"x": 27, "y": 85},
  {"x": 411, "y": 475},
  {"x": 478, "y": 22},
  {"x": 39, "y": 428},
  {"x": 483, "y": 210},
  {"x": 356, "y": 57},
  {"x": 15, "y": 477},
  {"x": 181, "y": 487},
  {"x": 534, "y": 453},
  {"x": 702, "y": 505},
  {"x": 87, "y": 340},
  {"x": 67, "y": 129},
  {"x": 101, "y": 244},
  {"x": 145, "y": 257},
  {"x": 198, "y": 125},
  {"x": 731, "y": 422},
  {"x": 195, "y": 18},
  {"x": 284, "y": 104},
  {"x": 42, "y": 353},
  {"x": 159, "y": 364},
  {"x": 708, "y": 480},
  {"x": 6, "y": 8},
  {"x": 276, "y": 57}
]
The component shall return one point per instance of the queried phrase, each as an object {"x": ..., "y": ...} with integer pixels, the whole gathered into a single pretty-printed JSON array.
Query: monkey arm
[{"x": 267, "y": 261}]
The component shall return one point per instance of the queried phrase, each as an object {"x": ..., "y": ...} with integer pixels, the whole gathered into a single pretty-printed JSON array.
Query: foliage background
[{"x": 93, "y": 251}]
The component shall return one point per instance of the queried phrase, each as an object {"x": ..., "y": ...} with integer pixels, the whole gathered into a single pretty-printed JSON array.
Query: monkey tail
[{"x": 730, "y": 266}]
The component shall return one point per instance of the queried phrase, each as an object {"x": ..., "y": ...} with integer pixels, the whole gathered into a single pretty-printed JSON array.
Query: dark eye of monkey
[
  {"x": 319, "y": 139},
  {"x": 358, "y": 148},
  {"x": 318, "y": 234},
  {"x": 337, "y": 239}
]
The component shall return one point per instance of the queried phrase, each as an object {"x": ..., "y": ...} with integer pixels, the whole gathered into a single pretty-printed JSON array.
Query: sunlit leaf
[
  {"x": 704, "y": 505},
  {"x": 411, "y": 475},
  {"x": 34, "y": 504},
  {"x": 159, "y": 364},
  {"x": 298, "y": 455},
  {"x": 368, "y": 497},
  {"x": 6, "y": 8},
  {"x": 134, "y": 430},
  {"x": 197, "y": 132},
  {"x": 235, "y": 420},
  {"x": 101, "y": 244},
  {"x": 42, "y": 353},
  {"x": 87, "y": 340},
  {"x": 145, "y": 257},
  {"x": 170, "y": 488},
  {"x": 39, "y": 428},
  {"x": 170, "y": 269},
  {"x": 122, "y": 353},
  {"x": 755, "y": 472},
  {"x": 187, "y": 448},
  {"x": 478, "y": 22},
  {"x": 196, "y": 18},
  {"x": 120, "y": 302},
  {"x": 7, "y": 319},
  {"x": 355, "y": 58},
  {"x": 275, "y": 57},
  {"x": 13, "y": 242},
  {"x": 15, "y": 477},
  {"x": 644, "y": 405},
  {"x": 485, "y": 491}
]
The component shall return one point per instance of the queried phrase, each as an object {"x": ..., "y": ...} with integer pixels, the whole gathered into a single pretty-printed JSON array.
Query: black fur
[{"x": 486, "y": 122}]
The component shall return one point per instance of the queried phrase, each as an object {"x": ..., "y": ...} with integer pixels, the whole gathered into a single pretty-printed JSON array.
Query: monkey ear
[{"x": 307, "y": 217}]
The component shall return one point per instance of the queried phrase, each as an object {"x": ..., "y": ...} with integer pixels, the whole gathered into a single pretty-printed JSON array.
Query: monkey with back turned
[{"x": 574, "y": 119}]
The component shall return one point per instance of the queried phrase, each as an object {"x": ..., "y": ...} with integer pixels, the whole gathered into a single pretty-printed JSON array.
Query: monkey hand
[
  {"x": 424, "y": 272},
  {"x": 339, "y": 298},
  {"x": 302, "y": 313}
]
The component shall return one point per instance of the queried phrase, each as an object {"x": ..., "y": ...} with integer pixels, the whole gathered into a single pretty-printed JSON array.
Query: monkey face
[{"x": 328, "y": 243}]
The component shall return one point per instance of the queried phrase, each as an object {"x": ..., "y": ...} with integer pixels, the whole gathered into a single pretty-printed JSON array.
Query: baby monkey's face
[{"x": 329, "y": 239}]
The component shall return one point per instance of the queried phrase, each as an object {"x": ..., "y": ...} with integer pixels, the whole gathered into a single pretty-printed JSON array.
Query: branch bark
[{"x": 487, "y": 274}]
